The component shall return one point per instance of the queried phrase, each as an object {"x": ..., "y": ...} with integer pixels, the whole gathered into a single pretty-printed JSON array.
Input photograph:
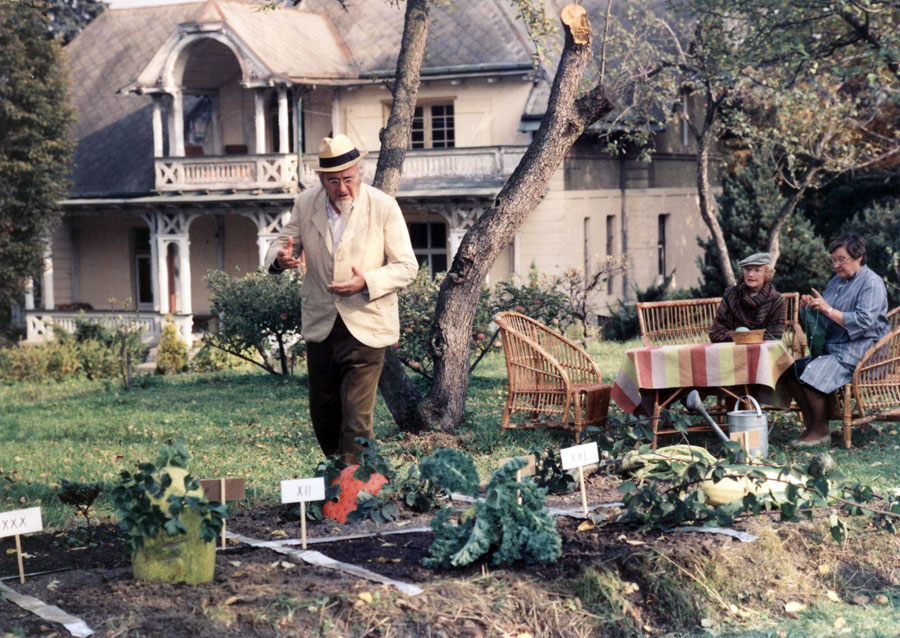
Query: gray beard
[{"x": 343, "y": 206}]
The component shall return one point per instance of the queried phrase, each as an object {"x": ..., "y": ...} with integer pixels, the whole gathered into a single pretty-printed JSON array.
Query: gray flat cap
[{"x": 757, "y": 259}]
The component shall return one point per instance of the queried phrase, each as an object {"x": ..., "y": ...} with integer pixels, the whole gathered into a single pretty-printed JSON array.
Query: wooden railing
[
  {"x": 280, "y": 172},
  {"x": 226, "y": 172},
  {"x": 40, "y": 323}
]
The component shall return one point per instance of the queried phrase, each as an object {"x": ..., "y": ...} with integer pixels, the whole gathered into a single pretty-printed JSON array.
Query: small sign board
[
  {"x": 17, "y": 522},
  {"x": 234, "y": 489},
  {"x": 579, "y": 455},
  {"x": 303, "y": 490}
]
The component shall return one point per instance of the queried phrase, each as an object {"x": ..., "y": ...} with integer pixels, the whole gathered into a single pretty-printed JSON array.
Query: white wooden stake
[
  {"x": 303, "y": 523},
  {"x": 583, "y": 490},
  {"x": 518, "y": 492},
  {"x": 19, "y": 556}
]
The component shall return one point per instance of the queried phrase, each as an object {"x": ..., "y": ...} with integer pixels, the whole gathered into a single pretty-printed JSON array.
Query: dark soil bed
[{"x": 255, "y": 589}]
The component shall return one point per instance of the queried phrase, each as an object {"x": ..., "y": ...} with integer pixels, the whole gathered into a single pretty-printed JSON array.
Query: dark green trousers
[{"x": 343, "y": 382}]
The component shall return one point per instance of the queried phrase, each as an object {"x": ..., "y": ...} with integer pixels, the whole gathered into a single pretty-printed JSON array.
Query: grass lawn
[{"x": 254, "y": 425}]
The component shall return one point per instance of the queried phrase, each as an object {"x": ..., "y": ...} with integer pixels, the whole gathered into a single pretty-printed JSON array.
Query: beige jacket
[{"x": 375, "y": 240}]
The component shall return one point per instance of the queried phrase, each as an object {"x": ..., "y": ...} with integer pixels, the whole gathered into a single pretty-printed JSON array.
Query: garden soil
[{"x": 258, "y": 592}]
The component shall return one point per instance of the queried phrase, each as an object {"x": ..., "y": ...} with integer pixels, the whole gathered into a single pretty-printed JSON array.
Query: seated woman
[
  {"x": 853, "y": 306},
  {"x": 754, "y": 303}
]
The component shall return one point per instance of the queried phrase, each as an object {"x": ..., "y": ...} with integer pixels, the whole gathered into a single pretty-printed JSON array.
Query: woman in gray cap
[
  {"x": 753, "y": 304},
  {"x": 853, "y": 307}
]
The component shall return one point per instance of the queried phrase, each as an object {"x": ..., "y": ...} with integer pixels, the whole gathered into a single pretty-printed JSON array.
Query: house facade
[{"x": 198, "y": 124}]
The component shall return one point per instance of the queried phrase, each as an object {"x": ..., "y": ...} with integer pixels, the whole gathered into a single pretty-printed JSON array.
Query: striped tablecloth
[{"x": 696, "y": 366}]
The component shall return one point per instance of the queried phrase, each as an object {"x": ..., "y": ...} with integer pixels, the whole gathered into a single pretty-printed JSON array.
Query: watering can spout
[{"x": 695, "y": 406}]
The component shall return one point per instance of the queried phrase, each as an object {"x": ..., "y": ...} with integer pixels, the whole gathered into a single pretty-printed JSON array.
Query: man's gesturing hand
[
  {"x": 285, "y": 258},
  {"x": 348, "y": 287}
]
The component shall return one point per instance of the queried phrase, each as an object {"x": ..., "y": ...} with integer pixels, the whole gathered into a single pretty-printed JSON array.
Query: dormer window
[{"x": 433, "y": 126}]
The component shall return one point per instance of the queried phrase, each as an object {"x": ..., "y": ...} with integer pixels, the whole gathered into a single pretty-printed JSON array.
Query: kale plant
[{"x": 509, "y": 525}]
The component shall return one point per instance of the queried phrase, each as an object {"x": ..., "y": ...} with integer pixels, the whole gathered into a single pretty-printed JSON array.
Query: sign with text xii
[
  {"x": 306, "y": 490},
  {"x": 20, "y": 522}
]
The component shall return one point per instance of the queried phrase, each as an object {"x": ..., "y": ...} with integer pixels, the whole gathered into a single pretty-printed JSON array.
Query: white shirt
[{"x": 337, "y": 222}]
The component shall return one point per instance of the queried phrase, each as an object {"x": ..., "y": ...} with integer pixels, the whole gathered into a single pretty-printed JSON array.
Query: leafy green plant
[
  {"x": 548, "y": 472},
  {"x": 257, "y": 313},
  {"x": 140, "y": 518},
  {"x": 509, "y": 525},
  {"x": 81, "y": 496}
]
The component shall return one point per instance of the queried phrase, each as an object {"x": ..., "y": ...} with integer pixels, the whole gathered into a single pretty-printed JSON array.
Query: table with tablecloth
[{"x": 650, "y": 378}]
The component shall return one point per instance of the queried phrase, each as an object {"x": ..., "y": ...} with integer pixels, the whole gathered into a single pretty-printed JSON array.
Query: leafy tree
[
  {"x": 258, "y": 314},
  {"x": 67, "y": 18},
  {"x": 35, "y": 147},
  {"x": 880, "y": 225},
  {"x": 751, "y": 198}
]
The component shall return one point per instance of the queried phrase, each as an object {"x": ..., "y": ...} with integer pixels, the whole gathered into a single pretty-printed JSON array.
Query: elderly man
[{"x": 358, "y": 255}]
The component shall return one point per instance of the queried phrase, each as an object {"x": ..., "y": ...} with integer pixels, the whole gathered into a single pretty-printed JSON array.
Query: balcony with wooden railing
[
  {"x": 226, "y": 172},
  {"x": 278, "y": 172}
]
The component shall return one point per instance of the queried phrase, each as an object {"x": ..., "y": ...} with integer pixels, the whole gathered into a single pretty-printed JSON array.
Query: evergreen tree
[
  {"x": 35, "y": 147},
  {"x": 749, "y": 201}
]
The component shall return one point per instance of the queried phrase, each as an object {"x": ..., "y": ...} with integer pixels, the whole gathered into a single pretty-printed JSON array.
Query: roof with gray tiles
[{"x": 114, "y": 154}]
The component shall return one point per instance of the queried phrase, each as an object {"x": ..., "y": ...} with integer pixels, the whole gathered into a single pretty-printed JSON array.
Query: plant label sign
[
  {"x": 234, "y": 489},
  {"x": 303, "y": 490},
  {"x": 223, "y": 490},
  {"x": 18, "y": 522},
  {"x": 579, "y": 455}
]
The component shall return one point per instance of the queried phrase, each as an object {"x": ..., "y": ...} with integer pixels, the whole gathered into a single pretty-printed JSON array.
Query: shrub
[
  {"x": 622, "y": 323},
  {"x": 257, "y": 313},
  {"x": 97, "y": 359},
  {"x": 417, "y": 303},
  {"x": 171, "y": 356},
  {"x": 207, "y": 358}
]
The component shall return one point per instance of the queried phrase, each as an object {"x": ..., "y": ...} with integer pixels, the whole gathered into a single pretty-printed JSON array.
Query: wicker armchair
[
  {"x": 686, "y": 321},
  {"x": 874, "y": 393},
  {"x": 551, "y": 379}
]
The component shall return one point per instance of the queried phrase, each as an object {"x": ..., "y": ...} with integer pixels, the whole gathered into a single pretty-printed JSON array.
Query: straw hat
[{"x": 337, "y": 154}]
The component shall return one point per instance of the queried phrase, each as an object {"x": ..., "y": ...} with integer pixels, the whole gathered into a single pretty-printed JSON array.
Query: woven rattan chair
[
  {"x": 551, "y": 380},
  {"x": 874, "y": 393},
  {"x": 685, "y": 321}
]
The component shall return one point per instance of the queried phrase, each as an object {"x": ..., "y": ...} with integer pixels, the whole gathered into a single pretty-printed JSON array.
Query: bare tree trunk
[
  {"x": 565, "y": 120},
  {"x": 704, "y": 197},
  {"x": 774, "y": 243},
  {"x": 399, "y": 393}
]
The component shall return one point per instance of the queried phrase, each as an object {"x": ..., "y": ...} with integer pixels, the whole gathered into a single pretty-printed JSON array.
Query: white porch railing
[
  {"x": 242, "y": 172},
  {"x": 251, "y": 172},
  {"x": 473, "y": 162},
  {"x": 40, "y": 323}
]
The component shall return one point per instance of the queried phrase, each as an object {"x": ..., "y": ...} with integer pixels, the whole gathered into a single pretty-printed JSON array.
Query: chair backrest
[
  {"x": 690, "y": 320},
  {"x": 894, "y": 318},
  {"x": 578, "y": 365},
  {"x": 678, "y": 322}
]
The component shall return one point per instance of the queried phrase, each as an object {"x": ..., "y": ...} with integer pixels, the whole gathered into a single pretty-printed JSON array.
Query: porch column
[
  {"x": 184, "y": 274},
  {"x": 298, "y": 127},
  {"x": 157, "y": 126},
  {"x": 48, "y": 301},
  {"x": 456, "y": 236},
  {"x": 337, "y": 124},
  {"x": 283, "y": 138},
  {"x": 158, "y": 250},
  {"x": 176, "y": 125},
  {"x": 29, "y": 294},
  {"x": 259, "y": 121},
  {"x": 268, "y": 227}
]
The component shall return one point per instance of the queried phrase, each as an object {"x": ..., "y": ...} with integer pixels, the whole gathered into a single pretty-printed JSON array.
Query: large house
[{"x": 198, "y": 123}]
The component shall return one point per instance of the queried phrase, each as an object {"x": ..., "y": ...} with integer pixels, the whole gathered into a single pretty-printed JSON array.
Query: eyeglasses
[{"x": 840, "y": 261}]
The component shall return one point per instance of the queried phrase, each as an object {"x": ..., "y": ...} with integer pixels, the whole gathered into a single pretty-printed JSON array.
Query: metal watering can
[{"x": 748, "y": 427}]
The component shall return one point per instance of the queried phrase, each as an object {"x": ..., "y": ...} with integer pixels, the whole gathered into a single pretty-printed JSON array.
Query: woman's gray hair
[{"x": 854, "y": 244}]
